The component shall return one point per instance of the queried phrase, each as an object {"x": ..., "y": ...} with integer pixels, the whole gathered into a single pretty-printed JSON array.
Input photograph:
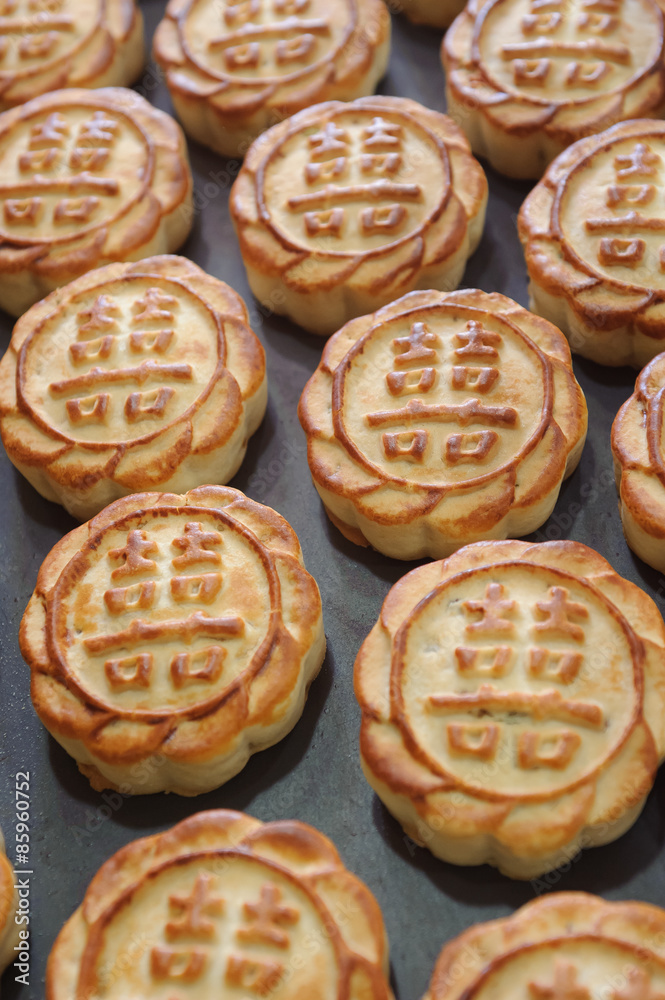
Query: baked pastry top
[
  {"x": 236, "y": 68},
  {"x": 442, "y": 419},
  {"x": 525, "y": 80},
  {"x": 180, "y": 633},
  {"x": 566, "y": 945},
  {"x": 133, "y": 377},
  {"x": 512, "y": 703},
  {"x": 88, "y": 177},
  {"x": 593, "y": 232},
  {"x": 344, "y": 207},
  {"x": 223, "y": 905},
  {"x": 49, "y": 44},
  {"x": 639, "y": 463}
]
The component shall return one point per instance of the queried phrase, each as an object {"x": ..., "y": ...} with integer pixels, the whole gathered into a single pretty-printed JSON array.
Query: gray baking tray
[{"x": 314, "y": 774}]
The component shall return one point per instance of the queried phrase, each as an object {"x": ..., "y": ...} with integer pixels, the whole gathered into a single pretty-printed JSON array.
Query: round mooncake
[
  {"x": 236, "y": 67},
  {"x": 345, "y": 207},
  {"x": 563, "y": 946},
  {"x": 134, "y": 377},
  {"x": 87, "y": 177},
  {"x": 171, "y": 637},
  {"x": 593, "y": 232},
  {"x": 225, "y": 906},
  {"x": 440, "y": 420},
  {"x": 513, "y": 702},
  {"x": 49, "y": 44},
  {"x": 525, "y": 78}
]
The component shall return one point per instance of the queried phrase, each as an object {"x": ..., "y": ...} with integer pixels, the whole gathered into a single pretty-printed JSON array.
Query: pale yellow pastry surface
[
  {"x": 565, "y": 944},
  {"x": 593, "y": 232},
  {"x": 87, "y": 177},
  {"x": 49, "y": 44},
  {"x": 512, "y": 704},
  {"x": 224, "y": 905},
  {"x": 345, "y": 207},
  {"x": 236, "y": 68},
  {"x": 171, "y": 637},
  {"x": 441, "y": 420},
  {"x": 133, "y": 377},
  {"x": 524, "y": 80}
]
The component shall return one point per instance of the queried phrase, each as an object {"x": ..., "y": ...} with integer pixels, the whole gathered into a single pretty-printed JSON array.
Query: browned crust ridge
[
  {"x": 78, "y": 472},
  {"x": 424, "y": 257},
  {"x": 441, "y": 518},
  {"x": 519, "y": 133},
  {"x": 528, "y": 834},
  {"x": 610, "y": 321},
  {"x": 226, "y": 726},
  {"x": 559, "y": 918},
  {"x": 296, "y": 851}
]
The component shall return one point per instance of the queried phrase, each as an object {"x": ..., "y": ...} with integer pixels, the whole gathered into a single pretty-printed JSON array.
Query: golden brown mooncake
[
  {"x": 171, "y": 637},
  {"x": 512, "y": 702},
  {"x": 134, "y": 377},
  {"x": 222, "y": 905},
  {"x": 525, "y": 79},
  {"x": 345, "y": 207},
  {"x": 593, "y": 232},
  {"x": 639, "y": 465},
  {"x": 49, "y": 44},
  {"x": 441, "y": 420},
  {"x": 87, "y": 177},
  {"x": 236, "y": 67},
  {"x": 9, "y": 903},
  {"x": 563, "y": 946}
]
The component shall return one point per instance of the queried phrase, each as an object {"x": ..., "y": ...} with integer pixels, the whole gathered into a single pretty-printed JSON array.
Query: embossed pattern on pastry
[
  {"x": 49, "y": 44},
  {"x": 236, "y": 68},
  {"x": 639, "y": 464},
  {"x": 441, "y": 420},
  {"x": 134, "y": 377},
  {"x": 87, "y": 177},
  {"x": 9, "y": 903},
  {"x": 526, "y": 80},
  {"x": 222, "y": 905},
  {"x": 593, "y": 232},
  {"x": 171, "y": 637},
  {"x": 346, "y": 206},
  {"x": 563, "y": 946},
  {"x": 512, "y": 702}
]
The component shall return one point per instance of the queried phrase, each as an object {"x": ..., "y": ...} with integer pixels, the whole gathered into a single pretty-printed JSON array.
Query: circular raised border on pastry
[
  {"x": 512, "y": 706},
  {"x": 226, "y": 896},
  {"x": 75, "y": 43},
  {"x": 88, "y": 177},
  {"x": 522, "y": 105},
  {"x": 639, "y": 465},
  {"x": 396, "y": 202},
  {"x": 563, "y": 944},
  {"x": 101, "y": 396},
  {"x": 437, "y": 463},
  {"x": 206, "y": 634},
  {"x": 590, "y": 231},
  {"x": 266, "y": 60}
]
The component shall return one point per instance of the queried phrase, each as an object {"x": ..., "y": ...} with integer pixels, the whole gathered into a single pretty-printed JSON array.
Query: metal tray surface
[{"x": 314, "y": 774}]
